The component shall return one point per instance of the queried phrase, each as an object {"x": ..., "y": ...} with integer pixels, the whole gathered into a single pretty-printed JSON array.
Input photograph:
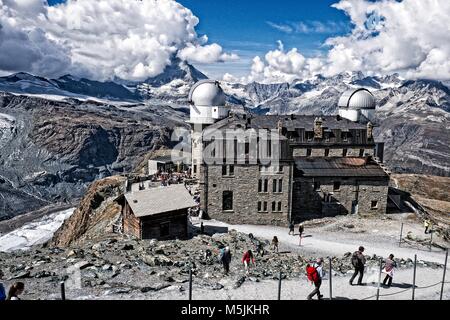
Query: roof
[
  {"x": 167, "y": 159},
  {"x": 339, "y": 167},
  {"x": 290, "y": 122},
  {"x": 159, "y": 200},
  {"x": 360, "y": 98}
]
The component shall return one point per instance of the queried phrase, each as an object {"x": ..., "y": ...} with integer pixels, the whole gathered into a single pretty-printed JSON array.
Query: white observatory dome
[
  {"x": 357, "y": 99},
  {"x": 207, "y": 93},
  {"x": 207, "y": 102},
  {"x": 357, "y": 105}
]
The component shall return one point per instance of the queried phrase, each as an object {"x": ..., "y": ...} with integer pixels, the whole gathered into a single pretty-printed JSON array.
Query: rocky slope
[{"x": 51, "y": 150}]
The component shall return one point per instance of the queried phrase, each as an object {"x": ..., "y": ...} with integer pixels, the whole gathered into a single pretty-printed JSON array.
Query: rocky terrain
[{"x": 118, "y": 265}]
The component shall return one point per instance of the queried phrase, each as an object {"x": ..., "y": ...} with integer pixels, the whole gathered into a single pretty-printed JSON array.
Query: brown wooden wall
[
  {"x": 178, "y": 225},
  {"x": 131, "y": 224}
]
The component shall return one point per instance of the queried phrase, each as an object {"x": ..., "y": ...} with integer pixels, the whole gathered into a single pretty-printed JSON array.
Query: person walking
[
  {"x": 314, "y": 272},
  {"x": 389, "y": 267},
  {"x": 2, "y": 288},
  {"x": 301, "y": 228},
  {"x": 274, "y": 245},
  {"x": 202, "y": 228},
  {"x": 225, "y": 259},
  {"x": 291, "y": 228},
  {"x": 15, "y": 291},
  {"x": 358, "y": 261},
  {"x": 426, "y": 225},
  {"x": 248, "y": 258}
]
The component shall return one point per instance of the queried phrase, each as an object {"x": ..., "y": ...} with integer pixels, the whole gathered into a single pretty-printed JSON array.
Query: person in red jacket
[{"x": 246, "y": 259}]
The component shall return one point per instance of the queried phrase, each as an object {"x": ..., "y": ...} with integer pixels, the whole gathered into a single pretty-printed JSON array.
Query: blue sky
[{"x": 251, "y": 28}]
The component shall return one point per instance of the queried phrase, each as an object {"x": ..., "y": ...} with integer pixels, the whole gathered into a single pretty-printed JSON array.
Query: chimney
[
  {"x": 280, "y": 127},
  {"x": 318, "y": 131},
  {"x": 369, "y": 130}
]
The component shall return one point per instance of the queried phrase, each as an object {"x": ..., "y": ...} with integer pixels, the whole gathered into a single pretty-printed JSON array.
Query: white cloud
[
  {"x": 308, "y": 27},
  {"x": 411, "y": 37},
  {"x": 205, "y": 54},
  {"x": 133, "y": 39}
]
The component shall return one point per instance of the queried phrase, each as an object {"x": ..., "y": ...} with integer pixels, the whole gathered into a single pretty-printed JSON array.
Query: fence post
[
  {"x": 401, "y": 236},
  {"x": 190, "y": 283},
  {"x": 279, "y": 287},
  {"x": 379, "y": 279},
  {"x": 63, "y": 291},
  {"x": 331, "y": 282},
  {"x": 431, "y": 236},
  {"x": 414, "y": 276},
  {"x": 443, "y": 277}
]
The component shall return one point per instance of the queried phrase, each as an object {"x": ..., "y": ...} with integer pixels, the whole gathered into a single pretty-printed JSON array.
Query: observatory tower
[{"x": 207, "y": 101}]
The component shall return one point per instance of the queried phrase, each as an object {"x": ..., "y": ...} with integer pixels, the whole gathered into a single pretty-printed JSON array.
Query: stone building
[{"x": 318, "y": 165}]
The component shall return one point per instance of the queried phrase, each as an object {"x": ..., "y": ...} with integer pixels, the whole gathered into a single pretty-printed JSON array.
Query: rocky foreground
[{"x": 117, "y": 266}]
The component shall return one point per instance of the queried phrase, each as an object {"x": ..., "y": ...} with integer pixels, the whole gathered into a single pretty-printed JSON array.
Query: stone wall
[
  {"x": 308, "y": 202},
  {"x": 244, "y": 185}
]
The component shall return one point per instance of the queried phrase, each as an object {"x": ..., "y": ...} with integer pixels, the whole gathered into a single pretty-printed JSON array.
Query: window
[
  {"x": 279, "y": 206},
  {"x": 259, "y": 185},
  {"x": 273, "y": 206},
  {"x": 374, "y": 204},
  {"x": 265, "y": 206},
  {"x": 308, "y": 152},
  {"x": 230, "y": 170},
  {"x": 344, "y": 136},
  {"x": 309, "y": 136},
  {"x": 259, "y": 206},
  {"x": 327, "y": 152},
  {"x": 327, "y": 137},
  {"x": 316, "y": 186},
  {"x": 280, "y": 169},
  {"x": 227, "y": 200},
  {"x": 274, "y": 185},
  {"x": 280, "y": 185},
  {"x": 336, "y": 185},
  {"x": 266, "y": 185},
  {"x": 224, "y": 170},
  {"x": 344, "y": 152},
  {"x": 231, "y": 173},
  {"x": 164, "y": 229}
]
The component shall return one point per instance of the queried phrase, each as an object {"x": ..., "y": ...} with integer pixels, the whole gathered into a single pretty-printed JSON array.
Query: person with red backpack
[{"x": 314, "y": 273}]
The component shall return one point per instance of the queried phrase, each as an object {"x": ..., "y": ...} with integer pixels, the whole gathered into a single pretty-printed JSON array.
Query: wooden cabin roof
[{"x": 159, "y": 200}]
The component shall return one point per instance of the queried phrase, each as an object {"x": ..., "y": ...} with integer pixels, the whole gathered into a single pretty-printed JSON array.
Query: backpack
[
  {"x": 355, "y": 260},
  {"x": 311, "y": 273}
]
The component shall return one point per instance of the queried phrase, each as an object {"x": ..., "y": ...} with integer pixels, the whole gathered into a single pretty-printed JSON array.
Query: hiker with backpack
[
  {"x": 314, "y": 272},
  {"x": 246, "y": 259},
  {"x": 274, "y": 245},
  {"x": 2, "y": 288},
  {"x": 225, "y": 259},
  {"x": 389, "y": 266},
  {"x": 358, "y": 262}
]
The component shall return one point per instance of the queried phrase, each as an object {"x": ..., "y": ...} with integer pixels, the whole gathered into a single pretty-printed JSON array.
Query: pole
[
  {"x": 279, "y": 287},
  {"x": 431, "y": 236},
  {"x": 414, "y": 276},
  {"x": 190, "y": 284},
  {"x": 331, "y": 282},
  {"x": 401, "y": 235},
  {"x": 443, "y": 277},
  {"x": 379, "y": 279},
  {"x": 63, "y": 291}
]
